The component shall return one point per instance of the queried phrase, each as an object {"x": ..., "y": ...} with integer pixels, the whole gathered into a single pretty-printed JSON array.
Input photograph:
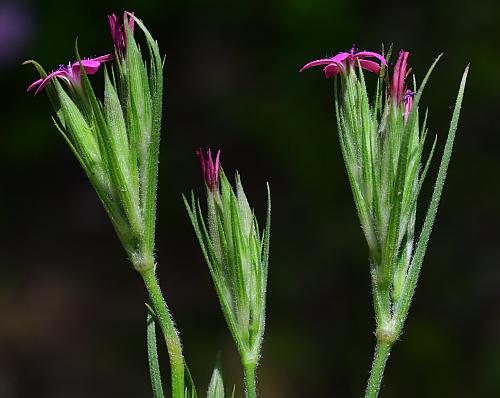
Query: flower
[
  {"x": 408, "y": 102},
  {"x": 71, "y": 74},
  {"x": 399, "y": 92},
  {"x": 209, "y": 169},
  {"x": 398, "y": 79},
  {"x": 338, "y": 63},
  {"x": 119, "y": 32}
]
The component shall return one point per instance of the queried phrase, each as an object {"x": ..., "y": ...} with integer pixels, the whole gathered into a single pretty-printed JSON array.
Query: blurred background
[{"x": 72, "y": 315}]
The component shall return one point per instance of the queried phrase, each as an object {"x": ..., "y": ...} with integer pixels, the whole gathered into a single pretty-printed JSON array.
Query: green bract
[
  {"x": 216, "y": 386},
  {"x": 237, "y": 256},
  {"x": 117, "y": 141},
  {"x": 383, "y": 151},
  {"x": 382, "y": 155},
  {"x": 382, "y": 143}
]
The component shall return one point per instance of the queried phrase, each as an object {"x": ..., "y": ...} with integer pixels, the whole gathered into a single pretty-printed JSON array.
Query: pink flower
[
  {"x": 209, "y": 169},
  {"x": 71, "y": 74},
  {"x": 399, "y": 76},
  {"x": 399, "y": 92},
  {"x": 338, "y": 63},
  {"x": 408, "y": 102},
  {"x": 119, "y": 32}
]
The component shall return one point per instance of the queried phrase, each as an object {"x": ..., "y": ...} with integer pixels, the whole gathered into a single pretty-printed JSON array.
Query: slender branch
[
  {"x": 382, "y": 352},
  {"x": 166, "y": 323}
]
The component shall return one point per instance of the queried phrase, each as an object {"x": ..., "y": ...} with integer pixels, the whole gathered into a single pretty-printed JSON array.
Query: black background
[{"x": 72, "y": 317}]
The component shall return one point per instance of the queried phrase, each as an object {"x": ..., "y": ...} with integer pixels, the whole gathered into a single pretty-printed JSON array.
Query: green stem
[
  {"x": 382, "y": 352},
  {"x": 250, "y": 380},
  {"x": 166, "y": 323}
]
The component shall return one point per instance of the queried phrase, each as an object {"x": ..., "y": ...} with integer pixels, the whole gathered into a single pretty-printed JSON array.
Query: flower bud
[
  {"x": 216, "y": 386},
  {"x": 236, "y": 254}
]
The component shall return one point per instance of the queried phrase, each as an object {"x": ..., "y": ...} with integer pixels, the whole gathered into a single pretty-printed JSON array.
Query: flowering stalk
[
  {"x": 117, "y": 142},
  {"x": 382, "y": 143},
  {"x": 237, "y": 257}
]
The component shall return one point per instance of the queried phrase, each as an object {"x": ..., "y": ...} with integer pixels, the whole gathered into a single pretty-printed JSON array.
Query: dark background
[{"x": 72, "y": 318}]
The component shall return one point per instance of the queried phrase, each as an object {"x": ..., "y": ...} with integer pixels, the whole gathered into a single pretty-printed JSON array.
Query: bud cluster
[{"x": 236, "y": 253}]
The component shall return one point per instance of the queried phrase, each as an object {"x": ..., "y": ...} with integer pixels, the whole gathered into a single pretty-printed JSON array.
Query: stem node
[{"x": 386, "y": 335}]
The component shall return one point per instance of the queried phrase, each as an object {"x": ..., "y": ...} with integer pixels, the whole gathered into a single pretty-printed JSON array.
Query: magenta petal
[
  {"x": 217, "y": 162},
  {"x": 101, "y": 59},
  {"x": 340, "y": 57},
  {"x": 211, "y": 167},
  {"x": 104, "y": 58},
  {"x": 337, "y": 59},
  {"x": 34, "y": 84},
  {"x": 49, "y": 77},
  {"x": 318, "y": 62},
  {"x": 395, "y": 80},
  {"x": 217, "y": 166},
  {"x": 368, "y": 54},
  {"x": 91, "y": 66},
  {"x": 399, "y": 75},
  {"x": 127, "y": 15},
  {"x": 331, "y": 71},
  {"x": 369, "y": 66},
  {"x": 402, "y": 75},
  {"x": 113, "y": 25}
]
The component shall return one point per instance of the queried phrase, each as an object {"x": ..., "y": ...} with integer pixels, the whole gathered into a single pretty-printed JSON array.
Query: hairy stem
[
  {"x": 167, "y": 327},
  {"x": 382, "y": 352},
  {"x": 250, "y": 380}
]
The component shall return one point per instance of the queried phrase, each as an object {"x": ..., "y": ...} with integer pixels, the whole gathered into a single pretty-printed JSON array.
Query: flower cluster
[
  {"x": 382, "y": 142},
  {"x": 236, "y": 255},
  {"x": 382, "y": 154},
  {"x": 116, "y": 144}
]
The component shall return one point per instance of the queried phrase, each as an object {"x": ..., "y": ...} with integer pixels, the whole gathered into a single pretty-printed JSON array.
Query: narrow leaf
[
  {"x": 403, "y": 305},
  {"x": 190, "y": 388},
  {"x": 154, "y": 366}
]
